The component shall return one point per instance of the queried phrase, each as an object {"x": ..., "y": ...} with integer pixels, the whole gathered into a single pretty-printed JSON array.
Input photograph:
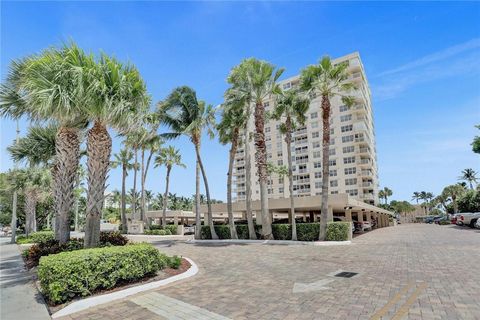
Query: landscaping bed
[{"x": 336, "y": 231}]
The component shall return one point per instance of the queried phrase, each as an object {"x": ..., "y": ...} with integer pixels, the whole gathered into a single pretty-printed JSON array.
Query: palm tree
[
  {"x": 290, "y": 106},
  {"x": 123, "y": 158},
  {"x": 255, "y": 81},
  {"x": 469, "y": 175},
  {"x": 151, "y": 143},
  {"x": 53, "y": 86},
  {"x": 385, "y": 193},
  {"x": 133, "y": 141},
  {"x": 168, "y": 157},
  {"x": 327, "y": 81},
  {"x": 416, "y": 196},
  {"x": 120, "y": 101},
  {"x": 454, "y": 192},
  {"x": 148, "y": 199},
  {"x": 184, "y": 114},
  {"x": 233, "y": 119}
]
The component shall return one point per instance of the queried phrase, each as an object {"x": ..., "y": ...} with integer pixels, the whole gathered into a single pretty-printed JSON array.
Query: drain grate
[{"x": 346, "y": 274}]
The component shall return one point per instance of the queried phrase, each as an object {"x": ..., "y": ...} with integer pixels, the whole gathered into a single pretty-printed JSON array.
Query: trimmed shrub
[
  {"x": 158, "y": 232},
  {"x": 336, "y": 231},
  {"x": 112, "y": 238},
  {"x": 36, "y": 237},
  {"x": 170, "y": 229},
  {"x": 175, "y": 262},
  {"x": 66, "y": 275},
  {"x": 444, "y": 222}
]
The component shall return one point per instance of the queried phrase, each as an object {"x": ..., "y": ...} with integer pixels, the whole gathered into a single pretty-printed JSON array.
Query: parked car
[
  {"x": 430, "y": 219},
  {"x": 477, "y": 225},
  {"x": 468, "y": 219},
  {"x": 454, "y": 218},
  {"x": 362, "y": 226},
  {"x": 188, "y": 229},
  {"x": 442, "y": 218}
]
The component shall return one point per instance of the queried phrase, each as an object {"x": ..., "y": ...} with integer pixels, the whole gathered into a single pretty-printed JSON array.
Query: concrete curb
[
  {"x": 275, "y": 242},
  {"x": 105, "y": 298}
]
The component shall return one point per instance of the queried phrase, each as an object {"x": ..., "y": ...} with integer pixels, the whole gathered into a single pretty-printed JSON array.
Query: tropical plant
[
  {"x": 168, "y": 157},
  {"x": 54, "y": 86},
  {"x": 454, "y": 192},
  {"x": 233, "y": 119},
  {"x": 36, "y": 187},
  {"x": 291, "y": 106},
  {"x": 469, "y": 175},
  {"x": 476, "y": 142},
  {"x": 416, "y": 196},
  {"x": 326, "y": 81},
  {"x": 385, "y": 193},
  {"x": 254, "y": 81},
  {"x": 123, "y": 158},
  {"x": 120, "y": 101},
  {"x": 185, "y": 115}
]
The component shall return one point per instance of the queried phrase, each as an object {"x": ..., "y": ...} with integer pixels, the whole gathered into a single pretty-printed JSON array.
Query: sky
[{"x": 422, "y": 61}]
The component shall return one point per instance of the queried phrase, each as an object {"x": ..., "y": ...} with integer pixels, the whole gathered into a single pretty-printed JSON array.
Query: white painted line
[
  {"x": 314, "y": 286},
  {"x": 274, "y": 242},
  {"x": 104, "y": 298}
]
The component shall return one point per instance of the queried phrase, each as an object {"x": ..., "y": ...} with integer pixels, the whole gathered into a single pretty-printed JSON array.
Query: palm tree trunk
[
  {"x": 99, "y": 148},
  {"x": 261, "y": 160},
  {"x": 207, "y": 191},
  {"x": 13, "y": 223},
  {"x": 67, "y": 154},
  {"x": 198, "y": 220},
  {"x": 233, "y": 150},
  {"x": 134, "y": 196},
  {"x": 142, "y": 191},
  {"x": 77, "y": 229},
  {"x": 165, "y": 197},
  {"x": 288, "y": 140},
  {"x": 325, "y": 164},
  {"x": 455, "y": 205},
  {"x": 144, "y": 202},
  {"x": 30, "y": 205},
  {"x": 123, "y": 200},
  {"x": 248, "y": 187}
]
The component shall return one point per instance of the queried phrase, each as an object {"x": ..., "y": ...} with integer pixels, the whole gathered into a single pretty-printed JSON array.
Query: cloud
[
  {"x": 454, "y": 61},
  {"x": 437, "y": 56}
]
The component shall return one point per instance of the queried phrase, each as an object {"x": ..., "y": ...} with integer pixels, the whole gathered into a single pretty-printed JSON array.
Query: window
[
  {"x": 317, "y": 164},
  {"x": 347, "y": 138},
  {"x": 333, "y": 173},
  {"x": 343, "y": 108},
  {"x": 279, "y": 145},
  {"x": 352, "y": 192},
  {"x": 350, "y": 181},
  {"x": 349, "y": 160},
  {"x": 332, "y": 141},
  {"x": 314, "y": 124},
  {"x": 332, "y": 131},
  {"x": 314, "y": 115},
  {"x": 350, "y": 170},
  {"x": 333, "y": 183},
  {"x": 267, "y": 129},
  {"x": 280, "y": 162},
  {"x": 318, "y": 184},
  {"x": 331, "y": 152},
  {"x": 317, "y": 154},
  {"x": 266, "y": 104},
  {"x": 318, "y": 175},
  {"x": 348, "y": 149},
  {"x": 332, "y": 163},
  {"x": 280, "y": 190},
  {"x": 280, "y": 180},
  {"x": 347, "y": 128},
  {"x": 315, "y": 134},
  {"x": 334, "y": 192},
  {"x": 345, "y": 118},
  {"x": 316, "y": 145}
]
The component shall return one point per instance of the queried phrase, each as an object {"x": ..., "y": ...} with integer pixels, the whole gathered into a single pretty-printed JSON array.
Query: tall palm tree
[
  {"x": 454, "y": 192},
  {"x": 133, "y": 141},
  {"x": 385, "y": 193},
  {"x": 148, "y": 199},
  {"x": 326, "y": 81},
  {"x": 53, "y": 86},
  {"x": 168, "y": 157},
  {"x": 120, "y": 101},
  {"x": 291, "y": 106},
  {"x": 123, "y": 158},
  {"x": 416, "y": 196},
  {"x": 256, "y": 81},
  {"x": 185, "y": 115},
  {"x": 233, "y": 119},
  {"x": 469, "y": 175}
]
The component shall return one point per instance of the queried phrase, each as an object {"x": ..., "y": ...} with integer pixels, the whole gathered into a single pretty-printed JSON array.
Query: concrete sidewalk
[{"x": 19, "y": 298}]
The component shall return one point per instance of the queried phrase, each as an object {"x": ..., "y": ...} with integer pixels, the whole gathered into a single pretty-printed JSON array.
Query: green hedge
[
  {"x": 36, "y": 237},
  {"x": 157, "y": 232},
  {"x": 66, "y": 275},
  {"x": 170, "y": 227},
  {"x": 336, "y": 231}
]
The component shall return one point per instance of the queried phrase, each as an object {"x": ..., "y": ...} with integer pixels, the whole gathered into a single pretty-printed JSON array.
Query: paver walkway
[
  {"x": 19, "y": 297},
  {"x": 414, "y": 271}
]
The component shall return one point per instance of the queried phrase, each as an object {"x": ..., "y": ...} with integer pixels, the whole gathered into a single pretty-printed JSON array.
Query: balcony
[
  {"x": 365, "y": 173},
  {"x": 367, "y": 196},
  {"x": 367, "y": 184},
  {"x": 363, "y": 150}
]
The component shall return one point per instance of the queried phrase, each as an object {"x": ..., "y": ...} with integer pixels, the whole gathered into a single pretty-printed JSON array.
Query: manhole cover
[{"x": 346, "y": 274}]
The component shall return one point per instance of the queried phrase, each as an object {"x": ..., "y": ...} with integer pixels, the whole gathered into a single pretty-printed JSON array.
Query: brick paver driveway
[{"x": 414, "y": 271}]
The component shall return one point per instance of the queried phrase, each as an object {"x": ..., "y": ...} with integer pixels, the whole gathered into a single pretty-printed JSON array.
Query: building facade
[{"x": 353, "y": 161}]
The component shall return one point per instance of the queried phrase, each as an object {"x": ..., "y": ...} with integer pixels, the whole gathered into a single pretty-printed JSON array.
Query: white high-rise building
[{"x": 353, "y": 163}]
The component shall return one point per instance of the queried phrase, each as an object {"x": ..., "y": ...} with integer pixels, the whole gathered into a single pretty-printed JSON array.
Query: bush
[
  {"x": 113, "y": 238},
  {"x": 444, "y": 222},
  {"x": 175, "y": 262},
  {"x": 169, "y": 229},
  {"x": 336, "y": 231},
  {"x": 36, "y": 237},
  {"x": 158, "y": 232},
  {"x": 66, "y": 275}
]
